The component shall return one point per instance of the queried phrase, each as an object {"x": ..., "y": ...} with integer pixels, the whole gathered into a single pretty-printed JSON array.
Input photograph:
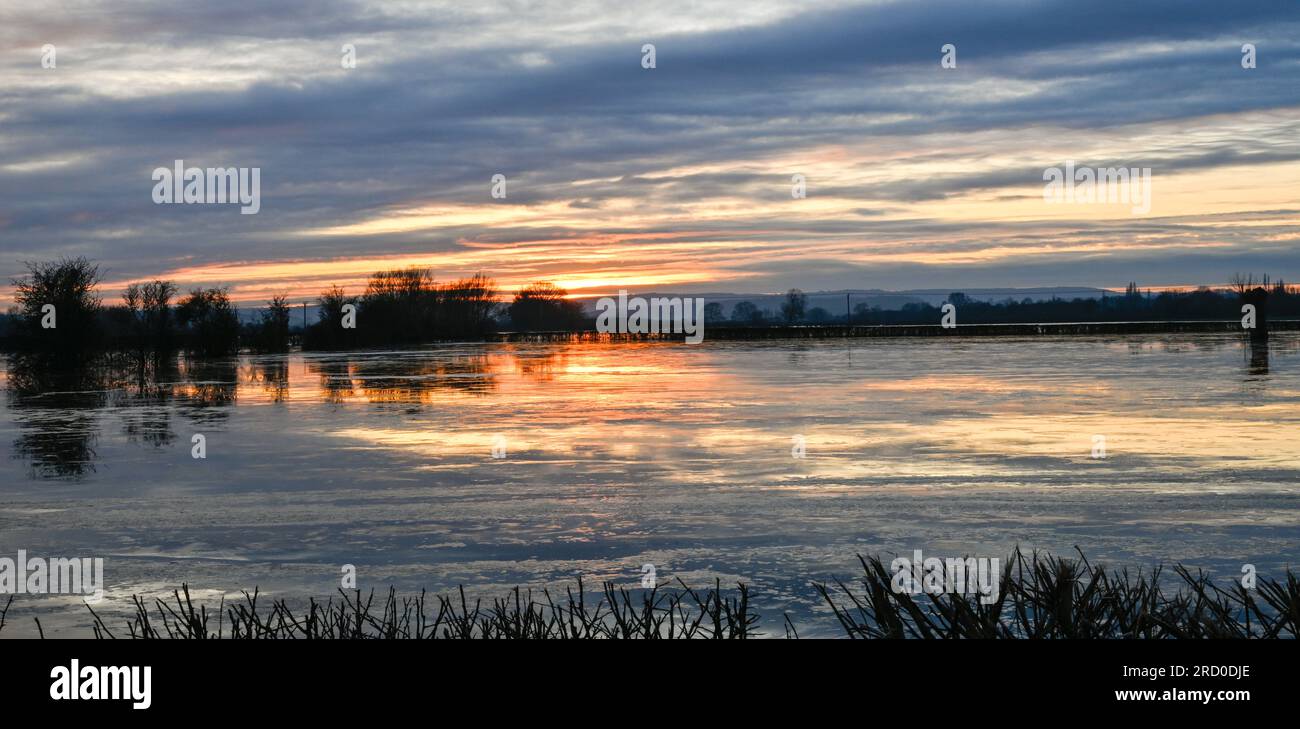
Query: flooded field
[{"x": 494, "y": 465}]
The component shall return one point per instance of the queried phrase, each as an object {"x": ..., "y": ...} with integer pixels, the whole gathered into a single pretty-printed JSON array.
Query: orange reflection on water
[
  {"x": 702, "y": 415},
  {"x": 869, "y": 414}
]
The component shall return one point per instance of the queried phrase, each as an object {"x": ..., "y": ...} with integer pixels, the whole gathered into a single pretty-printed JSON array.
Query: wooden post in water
[{"x": 1258, "y": 297}]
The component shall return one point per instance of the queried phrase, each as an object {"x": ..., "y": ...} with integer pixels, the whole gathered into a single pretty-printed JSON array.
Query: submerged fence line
[{"x": 837, "y": 331}]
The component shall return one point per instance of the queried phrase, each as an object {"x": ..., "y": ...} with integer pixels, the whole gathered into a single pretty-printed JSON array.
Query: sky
[{"x": 672, "y": 178}]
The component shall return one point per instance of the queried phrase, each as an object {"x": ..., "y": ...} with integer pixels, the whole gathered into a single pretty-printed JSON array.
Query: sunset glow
[{"x": 678, "y": 178}]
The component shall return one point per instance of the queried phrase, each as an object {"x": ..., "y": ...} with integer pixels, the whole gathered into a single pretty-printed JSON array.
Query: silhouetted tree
[
  {"x": 69, "y": 286},
  {"x": 543, "y": 306},
  {"x": 818, "y": 315},
  {"x": 466, "y": 307},
  {"x": 745, "y": 312},
  {"x": 399, "y": 306},
  {"x": 149, "y": 307},
  {"x": 212, "y": 327},
  {"x": 792, "y": 309},
  {"x": 328, "y": 331},
  {"x": 272, "y": 333}
]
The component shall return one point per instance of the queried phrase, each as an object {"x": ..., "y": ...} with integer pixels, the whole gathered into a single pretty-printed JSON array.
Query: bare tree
[
  {"x": 1241, "y": 283},
  {"x": 68, "y": 285},
  {"x": 149, "y": 305},
  {"x": 792, "y": 309}
]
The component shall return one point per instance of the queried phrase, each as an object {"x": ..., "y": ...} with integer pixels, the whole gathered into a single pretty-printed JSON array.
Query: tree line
[
  {"x": 61, "y": 312},
  {"x": 1271, "y": 298},
  {"x": 407, "y": 306}
]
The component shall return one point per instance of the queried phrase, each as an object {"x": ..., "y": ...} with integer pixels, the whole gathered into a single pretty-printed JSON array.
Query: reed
[
  {"x": 1044, "y": 596},
  {"x": 1040, "y": 596},
  {"x": 612, "y": 613}
]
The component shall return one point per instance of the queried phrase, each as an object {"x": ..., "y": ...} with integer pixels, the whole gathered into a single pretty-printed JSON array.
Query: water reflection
[
  {"x": 59, "y": 445},
  {"x": 403, "y": 379},
  {"x": 146, "y": 400},
  {"x": 1258, "y": 353},
  {"x": 623, "y": 454},
  {"x": 208, "y": 387},
  {"x": 992, "y": 409},
  {"x": 336, "y": 384},
  {"x": 539, "y": 366},
  {"x": 58, "y": 409},
  {"x": 272, "y": 375},
  {"x": 56, "y": 421},
  {"x": 416, "y": 382}
]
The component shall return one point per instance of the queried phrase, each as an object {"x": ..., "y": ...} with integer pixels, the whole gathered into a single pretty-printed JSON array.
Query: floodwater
[{"x": 619, "y": 455}]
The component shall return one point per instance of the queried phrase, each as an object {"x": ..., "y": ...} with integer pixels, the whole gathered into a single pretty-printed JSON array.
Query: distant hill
[
  {"x": 834, "y": 301},
  {"x": 250, "y": 313}
]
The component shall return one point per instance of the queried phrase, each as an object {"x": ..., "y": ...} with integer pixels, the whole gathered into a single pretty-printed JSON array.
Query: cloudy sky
[{"x": 672, "y": 178}]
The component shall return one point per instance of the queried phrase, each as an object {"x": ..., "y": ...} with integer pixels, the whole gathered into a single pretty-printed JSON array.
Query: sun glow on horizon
[{"x": 643, "y": 232}]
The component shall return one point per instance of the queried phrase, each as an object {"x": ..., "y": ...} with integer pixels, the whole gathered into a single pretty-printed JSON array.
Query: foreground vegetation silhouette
[
  {"x": 1041, "y": 597},
  {"x": 1044, "y": 596}
]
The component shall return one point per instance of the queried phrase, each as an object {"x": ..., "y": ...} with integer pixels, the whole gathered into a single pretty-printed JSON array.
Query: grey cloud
[{"x": 437, "y": 122}]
